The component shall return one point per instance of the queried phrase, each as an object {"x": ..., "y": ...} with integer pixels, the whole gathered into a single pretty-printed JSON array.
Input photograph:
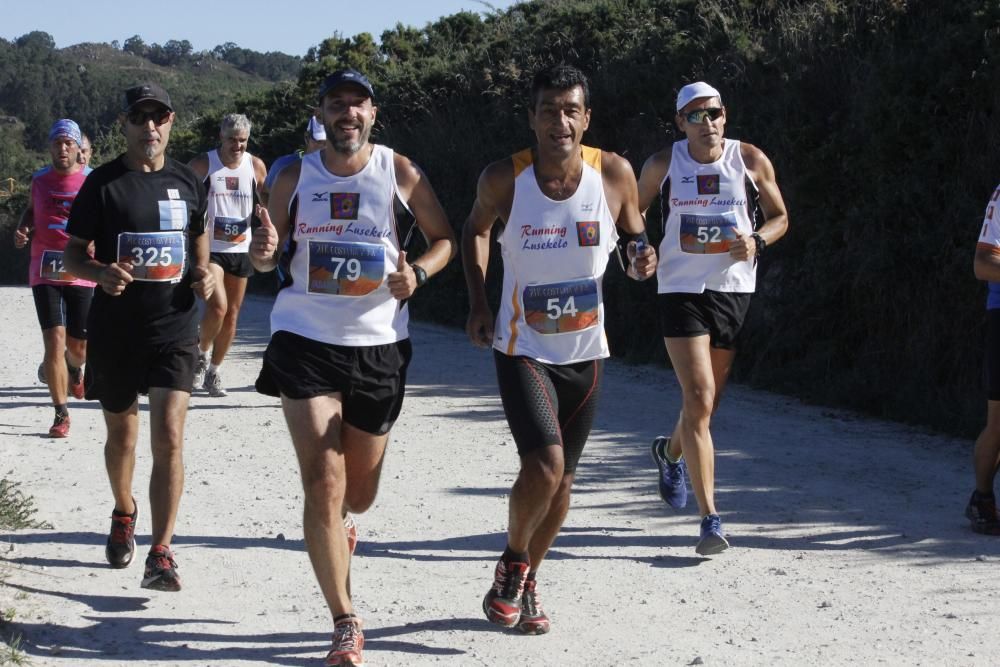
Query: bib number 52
[{"x": 709, "y": 234}]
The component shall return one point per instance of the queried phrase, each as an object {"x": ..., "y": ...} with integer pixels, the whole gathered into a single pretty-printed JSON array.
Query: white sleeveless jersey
[
  {"x": 231, "y": 198},
  {"x": 554, "y": 257},
  {"x": 703, "y": 205},
  {"x": 343, "y": 243}
]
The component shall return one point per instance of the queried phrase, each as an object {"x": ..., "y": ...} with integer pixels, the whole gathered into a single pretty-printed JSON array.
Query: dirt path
[{"x": 848, "y": 541}]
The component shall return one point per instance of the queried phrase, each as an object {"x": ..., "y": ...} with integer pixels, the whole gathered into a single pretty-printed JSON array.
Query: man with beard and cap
[
  {"x": 145, "y": 215},
  {"x": 339, "y": 346},
  {"x": 720, "y": 208}
]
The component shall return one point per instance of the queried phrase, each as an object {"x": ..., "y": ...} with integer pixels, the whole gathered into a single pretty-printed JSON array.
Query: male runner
[
  {"x": 61, "y": 298},
  {"x": 712, "y": 193},
  {"x": 982, "y": 508},
  {"x": 233, "y": 179},
  {"x": 314, "y": 139},
  {"x": 339, "y": 345},
  {"x": 86, "y": 152},
  {"x": 560, "y": 203},
  {"x": 145, "y": 215}
]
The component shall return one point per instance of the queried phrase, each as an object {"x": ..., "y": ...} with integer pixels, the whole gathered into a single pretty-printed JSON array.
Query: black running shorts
[
  {"x": 548, "y": 404},
  {"x": 119, "y": 369},
  {"x": 991, "y": 367},
  {"x": 234, "y": 263},
  {"x": 63, "y": 306},
  {"x": 718, "y": 314},
  {"x": 371, "y": 379}
]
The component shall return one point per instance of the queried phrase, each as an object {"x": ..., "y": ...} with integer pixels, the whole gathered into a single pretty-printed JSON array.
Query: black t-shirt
[{"x": 167, "y": 210}]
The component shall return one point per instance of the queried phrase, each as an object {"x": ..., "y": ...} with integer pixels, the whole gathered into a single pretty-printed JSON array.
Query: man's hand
[
  {"x": 203, "y": 282},
  {"x": 21, "y": 235},
  {"x": 402, "y": 282},
  {"x": 264, "y": 240},
  {"x": 743, "y": 248},
  {"x": 479, "y": 327},
  {"x": 642, "y": 264},
  {"x": 115, "y": 277}
]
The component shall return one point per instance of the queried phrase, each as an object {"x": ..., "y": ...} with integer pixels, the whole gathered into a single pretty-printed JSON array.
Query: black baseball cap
[
  {"x": 144, "y": 92},
  {"x": 345, "y": 76}
]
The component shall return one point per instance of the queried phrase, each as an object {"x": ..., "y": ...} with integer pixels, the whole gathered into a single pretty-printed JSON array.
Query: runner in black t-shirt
[{"x": 144, "y": 213}]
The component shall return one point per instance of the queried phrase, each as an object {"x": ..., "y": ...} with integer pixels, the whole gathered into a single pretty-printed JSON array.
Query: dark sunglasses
[
  {"x": 699, "y": 115},
  {"x": 139, "y": 117}
]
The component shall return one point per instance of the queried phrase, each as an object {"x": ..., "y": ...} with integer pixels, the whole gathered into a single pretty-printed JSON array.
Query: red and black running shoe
[
  {"x": 121, "y": 540},
  {"x": 533, "y": 620},
  {"x": 60, "y": 426},
  {"x": 161, "y": 570},
  {"x": 502, "y": 604},
  {"x": 76, "y": 383}
]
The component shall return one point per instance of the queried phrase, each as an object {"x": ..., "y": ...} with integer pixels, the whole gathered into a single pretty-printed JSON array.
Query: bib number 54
[{"x": 555, "y": 309}]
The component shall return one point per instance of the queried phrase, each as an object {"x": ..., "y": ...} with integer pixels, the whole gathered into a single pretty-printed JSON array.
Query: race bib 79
[{"x": 345, "y": 269}]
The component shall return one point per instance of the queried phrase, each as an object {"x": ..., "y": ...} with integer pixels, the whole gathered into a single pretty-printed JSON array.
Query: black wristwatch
[
  {"x": 759, "y": 242},
  {"x": 421, "y": 275}
]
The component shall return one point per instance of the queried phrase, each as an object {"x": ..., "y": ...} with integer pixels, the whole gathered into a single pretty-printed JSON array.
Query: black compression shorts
[
  {"x": 991, "y": 367},
  {"x": 548, "y": 404},
  {"x": 718, "y": 314},
  {"x": 371, "y": 379},
  {"x": 63, "y": 306}
]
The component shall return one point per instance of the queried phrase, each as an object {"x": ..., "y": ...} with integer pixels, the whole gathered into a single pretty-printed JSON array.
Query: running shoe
[
  {"x": 351, "y": 528},
  {"x": 161, "y": 570},
  {"x": 41, "y": 373},
  {"x": 213, "y": 384},
  {"x": 60, "y": 427},
  {"x": 502, "y": 604},
  {"x": 712, "y": 540},
  {"x": 199, "y": 370},
  {"x": 673, "y": 486},
  {"x": 533, "y": 620},
  {"x": 76, "y": 383},
  {"x": 121, "y": 540},
  {"x": 982, "y": 515},
  {"x": 348, "y": 641}
]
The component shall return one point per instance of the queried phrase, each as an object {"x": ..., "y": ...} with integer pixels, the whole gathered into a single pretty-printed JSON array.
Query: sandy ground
[{"x": 849, "y": 546}]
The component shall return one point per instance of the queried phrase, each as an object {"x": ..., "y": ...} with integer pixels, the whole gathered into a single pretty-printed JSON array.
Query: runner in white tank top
[
  {"x": 233, "y": 179},
  {"x": 560, "y": 204},
  {"x": 339, "y": 348},
  {"x": 711, "y": 191}
]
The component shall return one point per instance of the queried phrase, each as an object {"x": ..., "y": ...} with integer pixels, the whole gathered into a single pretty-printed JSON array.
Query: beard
[{"x": 346, "y": 146}]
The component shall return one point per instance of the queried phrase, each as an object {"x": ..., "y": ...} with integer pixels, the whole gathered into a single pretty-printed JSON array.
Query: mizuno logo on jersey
[{"x": 319, "y": 196}]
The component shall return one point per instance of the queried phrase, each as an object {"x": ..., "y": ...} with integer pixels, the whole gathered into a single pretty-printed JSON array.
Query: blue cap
[
  {"x": 64, "y": 127},
  {"x": 345, "y": 76}
]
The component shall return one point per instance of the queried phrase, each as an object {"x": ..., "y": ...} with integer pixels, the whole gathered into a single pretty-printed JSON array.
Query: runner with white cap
[{"x": 720, "y": 207}]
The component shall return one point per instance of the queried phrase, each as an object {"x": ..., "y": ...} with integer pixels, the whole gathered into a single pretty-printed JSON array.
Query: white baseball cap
[
  {"x": 693, "y": 91},
  {"x": 316, "y": 129}
]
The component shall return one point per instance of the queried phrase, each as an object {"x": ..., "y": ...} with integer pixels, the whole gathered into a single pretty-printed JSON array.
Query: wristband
[
  {"x": 421, "y": 275},
  {"x": 759, "y": 242}
]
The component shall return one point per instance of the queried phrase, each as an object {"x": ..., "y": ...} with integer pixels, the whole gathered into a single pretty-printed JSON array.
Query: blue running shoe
[
  {"x": 673, "y": 487},
  {"x": 712, "y": 540}
]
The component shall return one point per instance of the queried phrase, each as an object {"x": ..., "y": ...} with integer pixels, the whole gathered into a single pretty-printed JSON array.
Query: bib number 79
[
  {"x": 711, "y": 234},
  {"x": 151, "y": 256},
  {"x": 352, "y": 267},
  {"x": 554, "y": 309}
]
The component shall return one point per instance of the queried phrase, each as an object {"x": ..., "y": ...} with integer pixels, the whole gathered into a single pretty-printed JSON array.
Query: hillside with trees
[{"x": 880, "y": 117}]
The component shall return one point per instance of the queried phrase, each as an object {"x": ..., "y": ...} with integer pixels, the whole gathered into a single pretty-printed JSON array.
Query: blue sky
[{"x": 291, "y": 26}]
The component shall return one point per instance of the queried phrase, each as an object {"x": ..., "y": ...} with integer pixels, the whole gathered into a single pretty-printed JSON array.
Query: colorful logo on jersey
[
  {"x": 588, "y": 232},
  {"x": 344, "y": 205},
  {"x": 708, "y": 184},
  {"x": 232, "y": 182}
]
